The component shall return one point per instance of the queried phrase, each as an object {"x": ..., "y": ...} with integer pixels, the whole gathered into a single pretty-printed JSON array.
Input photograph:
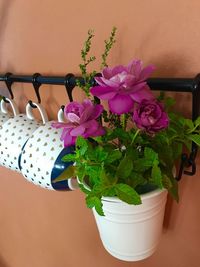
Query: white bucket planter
[{"x": 129, "y": 232}]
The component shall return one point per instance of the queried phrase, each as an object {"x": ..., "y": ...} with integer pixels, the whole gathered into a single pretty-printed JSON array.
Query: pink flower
[
  {"x": 150, "y": 116},
  {"x": 124, "y": 85},
  {"x": 82, "y": 122}
]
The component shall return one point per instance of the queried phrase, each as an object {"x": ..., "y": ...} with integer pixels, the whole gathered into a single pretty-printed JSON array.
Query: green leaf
[
  {"x": 177, "y": 149},
  {"x": 80, "y": 172},
  {"x": 142, "y": 165},
  {"x": 95, "y": 202},
  {"x": 113, "y": 155},
  {"x": 93, "y": 172},
  {"x": 119, "y": 133},
  {"x": 127, "y": 194},
  {"x": 125, "y": 167},
  {"x": 83, "y": 189},
  {"x": 136, "y": 179},
  {"x": 109, "y": 191},
  {"x": 132, "y": 152},
  {"x": 195, "y": 138},
  {"x": 104, "y": 190},
  {"x": 156, "y": 176},
  {"x": 100, "y": 153},
  {"x": 189, "y": 123},
  {"x": 197, "y": 122},
  {"x": 174, "y": 189},
  {"x": 66, "y": 174},
  {"x": 69, "y": 157},
  {"x": 81, "y": 145},
  {"x": 150, "y": 154},
  {"x": 166, "y": 182}
]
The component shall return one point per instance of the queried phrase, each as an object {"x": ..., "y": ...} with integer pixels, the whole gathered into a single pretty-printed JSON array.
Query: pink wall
[{"x": 40, "y": 228}]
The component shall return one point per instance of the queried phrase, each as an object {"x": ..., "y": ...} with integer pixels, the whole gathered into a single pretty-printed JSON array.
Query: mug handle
[
  {"x": 73, "y": 183},
  {"x": 60, "y": 115},
  {"x": 43, "y": 114},
  {"x": 13, "y": 105}
]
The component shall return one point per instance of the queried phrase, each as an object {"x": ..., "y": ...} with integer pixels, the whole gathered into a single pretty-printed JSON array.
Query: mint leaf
[
  {"x": 95, "y": 202},
  {"x": 83, "y": 189},
  {"x": 156, "y": 176},
  {"x": 189, "y": 123},
  {"x": 136, "y": 179},
  {"x": 125, "y": 167},
  {"x": 80, "y": 171},
  {"x": 197, "y": 122},
  {"x": 113, "y": 155},
  {"x": 174, "y": 189},
  {"x": 104, "y": 190},
  {"x": 195, "y": 138},
  {"x": 100, "y": 153},
  {"x": 69, "y": 157},
  {"x": 127, "y": 194},
  {"x": 150, "y": 154},
  {"x": 81, "y": 145},
  {"x": 142, "y": 165},
  {"x": 93, "y": 172},
  {"x": 166, "y": 182},
  {"x": 177, "y": 150}
]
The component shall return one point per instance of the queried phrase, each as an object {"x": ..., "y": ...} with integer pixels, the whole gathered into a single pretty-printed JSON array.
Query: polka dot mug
[
  {"x": 41, "y": 159},
  {"x": 4, "y": 113},
  {"x": 14, "y": 134}
]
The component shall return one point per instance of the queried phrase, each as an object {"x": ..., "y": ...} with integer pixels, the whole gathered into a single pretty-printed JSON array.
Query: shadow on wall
[{"x": 3, "y": 263}]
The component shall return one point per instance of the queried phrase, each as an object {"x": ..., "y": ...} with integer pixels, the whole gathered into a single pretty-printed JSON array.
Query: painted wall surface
[{"x": 40, "y": 228}]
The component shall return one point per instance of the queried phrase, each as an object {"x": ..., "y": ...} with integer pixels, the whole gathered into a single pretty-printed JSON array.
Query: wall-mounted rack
[{"x": 190, "y": 85}]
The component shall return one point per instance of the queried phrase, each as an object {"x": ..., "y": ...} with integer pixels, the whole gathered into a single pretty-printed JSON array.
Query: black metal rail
[{"x": 191, "y": 85}]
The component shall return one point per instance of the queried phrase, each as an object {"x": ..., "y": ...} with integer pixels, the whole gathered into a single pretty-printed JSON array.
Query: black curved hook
[
  {"x": 36, "y": 86},
  {"x": 8, "y": 83},
  {"x": 69, "y": 85}
]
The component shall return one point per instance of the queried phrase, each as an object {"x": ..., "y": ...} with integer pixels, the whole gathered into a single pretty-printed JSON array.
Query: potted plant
[{"x": 124, "y": 154}]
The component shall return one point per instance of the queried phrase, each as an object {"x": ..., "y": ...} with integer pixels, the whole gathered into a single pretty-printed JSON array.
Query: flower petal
[
  {"x": 87, "y": 113},
  {"x": 135, "y": 67},
  {"x": 110, "y": 72},
  {"x": 58, "y": 125},
  {"x": 72, "y": 117},
  {"x": 121, "y": 104},
  {"x": 112, "y": 82},
  {"x": 98, "y": 109},
  {"x": 99, "y": 81},
  {"x": 69, "y": 140},
  {"x": 103, "y": 92},
  {"x": 91, "y": 128},
  {"x": 144, "y": 93},
  {"x": 146, "y": 72},
  {"x": 79, "y": 130},
  {"x": 73, "y": 107},
  {"x": 100, "y": 131}
]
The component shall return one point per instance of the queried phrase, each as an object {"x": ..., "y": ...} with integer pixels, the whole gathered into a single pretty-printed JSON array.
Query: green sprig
[
  {"x": 108, "y": 45},
  {"x": 86, "y": 61}
]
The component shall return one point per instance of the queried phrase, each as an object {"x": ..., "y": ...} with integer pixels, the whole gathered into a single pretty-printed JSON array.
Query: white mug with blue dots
[
  {"x": 15, "y": 132},
  {"x": 41, "y": 160}
]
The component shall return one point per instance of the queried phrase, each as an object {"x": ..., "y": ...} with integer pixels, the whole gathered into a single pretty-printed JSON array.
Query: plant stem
[
  {"x": 123, "y": 121},
  {"x": 135, "y": 135}
]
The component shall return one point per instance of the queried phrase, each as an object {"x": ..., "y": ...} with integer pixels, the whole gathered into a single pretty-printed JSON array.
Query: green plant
[{"x": 131, "y": 146}]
